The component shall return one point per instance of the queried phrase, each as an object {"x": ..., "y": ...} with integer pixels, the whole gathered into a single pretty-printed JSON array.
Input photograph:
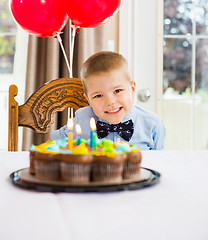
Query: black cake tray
[{"x": 22, "y": 178}]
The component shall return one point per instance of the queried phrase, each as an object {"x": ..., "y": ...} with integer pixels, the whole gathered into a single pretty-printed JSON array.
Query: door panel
[{"x": 137, "y": 38}]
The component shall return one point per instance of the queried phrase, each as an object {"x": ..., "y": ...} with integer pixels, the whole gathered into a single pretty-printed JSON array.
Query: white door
[{"x": 137, "y": 43}]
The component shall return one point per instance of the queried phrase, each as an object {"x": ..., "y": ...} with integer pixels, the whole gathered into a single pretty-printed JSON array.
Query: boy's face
[{"x": 110, "y": 95}]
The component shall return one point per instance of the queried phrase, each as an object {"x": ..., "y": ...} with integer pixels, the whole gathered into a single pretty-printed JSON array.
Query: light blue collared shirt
[{"x": 149, "y": 129}]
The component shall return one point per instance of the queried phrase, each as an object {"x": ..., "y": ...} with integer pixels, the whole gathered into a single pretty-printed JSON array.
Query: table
[{"x": 174, "y": 208}]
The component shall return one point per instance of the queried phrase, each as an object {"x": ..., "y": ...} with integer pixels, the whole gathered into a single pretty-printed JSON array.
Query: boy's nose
[{"x": 110, "y": 99}]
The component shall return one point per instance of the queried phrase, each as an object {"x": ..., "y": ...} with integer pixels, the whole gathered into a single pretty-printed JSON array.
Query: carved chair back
[{"x": 38, "y": 111}]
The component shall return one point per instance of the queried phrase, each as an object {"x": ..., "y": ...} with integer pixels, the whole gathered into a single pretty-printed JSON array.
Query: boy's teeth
[{"x": 116, "y": 110}]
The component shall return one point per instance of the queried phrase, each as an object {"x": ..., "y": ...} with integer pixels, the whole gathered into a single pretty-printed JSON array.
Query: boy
[{"x": 110, "y": 91}]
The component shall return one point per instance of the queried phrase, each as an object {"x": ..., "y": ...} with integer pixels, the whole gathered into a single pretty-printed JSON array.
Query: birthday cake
[{"x": 104, "y": 162}]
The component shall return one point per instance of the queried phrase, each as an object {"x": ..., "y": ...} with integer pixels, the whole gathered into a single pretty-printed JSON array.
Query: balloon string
[
  {"x": 73, "y": 33},
  {"x": 62, "y": 47},
  {"x": 71, "y": 52}
]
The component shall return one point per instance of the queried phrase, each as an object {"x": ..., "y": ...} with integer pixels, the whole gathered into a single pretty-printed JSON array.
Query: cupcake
[
  {"x": 76, "y": 165},
  {"x": 133, "y": 159},
  {"x": 33, "y": 150},
  {"x": 46, "y": 162},
  {"x": 107, "y": 165},
  {"x": 132, "y": 165}
]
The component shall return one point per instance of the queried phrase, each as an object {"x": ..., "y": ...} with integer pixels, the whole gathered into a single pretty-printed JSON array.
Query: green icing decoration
[
  {"x": 109, "y": 150},
  {"x": 82, "y": 141},
  {"x": 106, "y": 143}
]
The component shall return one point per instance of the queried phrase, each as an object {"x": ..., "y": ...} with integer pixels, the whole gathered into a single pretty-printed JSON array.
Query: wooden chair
[{"x": 38, "y": 111}]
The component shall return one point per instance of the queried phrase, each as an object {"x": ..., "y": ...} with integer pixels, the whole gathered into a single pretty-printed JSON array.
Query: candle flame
[
  {"x": 78, "y": 129},
  {"x": 92, "y": 124},
  {"x": 70, "y": 124}
]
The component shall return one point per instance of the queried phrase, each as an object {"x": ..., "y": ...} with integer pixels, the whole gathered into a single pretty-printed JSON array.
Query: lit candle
[
  {"x": 93, "y": 134},
  {"x": 70, "y": 125},
  {"x": 79, "y": 132}
]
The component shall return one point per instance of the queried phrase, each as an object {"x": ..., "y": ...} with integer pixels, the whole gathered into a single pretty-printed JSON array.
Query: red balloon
[
  {"x": 91, "y": 13},
  {"x": 43, "y": 18}
]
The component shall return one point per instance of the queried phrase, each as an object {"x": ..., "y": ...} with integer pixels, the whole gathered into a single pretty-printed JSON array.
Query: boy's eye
[
  {"x": 118, "y": 90},
  {"x": 98, "y": 96}
]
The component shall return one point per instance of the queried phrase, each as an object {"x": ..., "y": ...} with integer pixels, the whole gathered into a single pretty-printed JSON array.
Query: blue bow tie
[{"x": 125, "y": 129}]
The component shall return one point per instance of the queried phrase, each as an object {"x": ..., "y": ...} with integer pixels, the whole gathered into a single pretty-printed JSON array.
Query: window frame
[{"x": 18, "y": 77}]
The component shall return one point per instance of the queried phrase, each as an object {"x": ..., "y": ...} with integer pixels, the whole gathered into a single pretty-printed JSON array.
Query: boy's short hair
[{"x": 103, "y": 62}]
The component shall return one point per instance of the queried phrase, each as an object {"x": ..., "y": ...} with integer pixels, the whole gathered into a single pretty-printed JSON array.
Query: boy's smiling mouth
[{"x": 114, "y": 110}]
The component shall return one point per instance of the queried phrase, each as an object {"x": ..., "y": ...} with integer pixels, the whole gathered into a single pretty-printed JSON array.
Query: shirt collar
[{"x": 129, "y": 116}]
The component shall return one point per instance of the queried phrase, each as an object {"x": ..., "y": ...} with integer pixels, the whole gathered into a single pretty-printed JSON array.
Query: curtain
[{"x": 45, "y": 62}]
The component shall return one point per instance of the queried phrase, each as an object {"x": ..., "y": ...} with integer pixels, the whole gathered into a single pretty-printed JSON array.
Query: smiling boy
[{"x": 110, "y": 92}]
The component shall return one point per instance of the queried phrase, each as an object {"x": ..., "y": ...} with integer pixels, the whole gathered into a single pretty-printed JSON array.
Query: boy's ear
[{"x": 133, "y": 87}]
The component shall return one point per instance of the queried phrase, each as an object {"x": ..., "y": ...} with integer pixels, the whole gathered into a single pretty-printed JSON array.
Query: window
[
  {"x": 185, "y": 73},
  {"x": 13, "y": 53}
]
